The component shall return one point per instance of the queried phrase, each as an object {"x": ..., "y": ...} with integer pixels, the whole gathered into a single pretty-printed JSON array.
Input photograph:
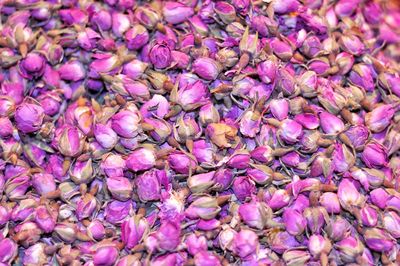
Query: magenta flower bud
[
  {"x": 290, "y": 131},
  {"x": 205, "y": 208},
  {"x": 102, "y": 19},
  {"x": 239, "y": 160},
  {"x": 374, "y": 155},
  {"x": 351, "y": 44},
  {"x": 279, "y": 199},
  {"x": 206, "y": 68},
  {"x": 120, "y": 188},
  {"x": 345, "y": 62},
  {"x": 113, "y": 165},
  {"x": 255, "y": 214},
  {"x": 105, "y": 256},
  {"x": 105, "y": 136},
  {"x": 348, "y": 194},
  {"x": 379, "y": 118},
  {"x": 50, "y": 103},
  {"x": 16, "y": 187},
  {"x": 168, "y": 235},
  {"x": 181, "y": 163},
  {"x": 82, "y": 172},
  {"x": 281, "y": 49},
  {"x": 193, "y": 95},
  {"x": 208, "y": 225},
  {"x": 70, "y": 141},
  {"x": 225, "y": 11},
  {"x": 147, "y": 16},
  {"x": 66, "y": 231},
  {"x": 6, "y": 127},
  {"x": 29, "y": 117},
  {"x": 203, "y": 151},
  {"x": 266, "y": 70},
  {"x": 32, "y": 66},
  {"x": 357, "y": 135},
  {"x": 133, "y": 230},
  {"x": 279, "y": 108},
  {"x": 120, "y": 23},
  {"x": 176, "y": 13},
  {"x": 349, "y": 249},
  {"x": 136, "y": 37},
  {"x": 195, "y": 244},
  {"x": 319, "y": 65},
  {"x": 170, "y": 259},
  {"x": 307, "y": 83},
  {"x": 134, "y": 69},
  {"x": 378, "y": 239},
  {"x": 330, "y": 202},
  {"x": 264, "y": 25},
  {"x": 261, "y": 174},
  {"x": 180, "y": 59},
  {"x": 208, "y": 114},
  {"x": 318, "y": 245},
  {"x": 345, "y": 8},
  {"x": 148, "y": 185},
  {"x": 23, "y": 210},
  {"x": 201, "y": 182},
  {"x": 250, "y": 123},
  {"x": 104, "y": 63},
  {"x": 391, "y": 221},
  {"x": 141, "y": 159},
  {"x": 294, "y": 221},
  {"x": 72, "y": 71},
  {"x": 43, "y": 183},
  {"x": 160, "y": 55},
  {"x": 96, "y": 230},
  {"x": 205, "y": 258},
  {"x": 129, "y": 260},
  {"x": 243, "y": 187},
  {"x": 7, "y": 105},
  {"x": 245, "y": 243},
  {"x": 223, "y": 179},
  {"x": 117, "y": 211},
  {"x": 282, "y": 241},
  {"x": 86, "y": 206},
  {"x": 73, "y": 16},
  {"x": 379, "y": 197},
  {"x": 330, "y": 123},
  {"x": 45, "y": 219},
  {"x": 368, "y": 216},
  {"x": 294, "y": 257},
  {"x": 311, "y": 46},
  {"x": 361, "y": 75},
  {"x": 8, "y": 250},
  {"x": 285, "y": 7},
  {"x": 338, "y": 228},
  {"x": 126, "y": 123}
]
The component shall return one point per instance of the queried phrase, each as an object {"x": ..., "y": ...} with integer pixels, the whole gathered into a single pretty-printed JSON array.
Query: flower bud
[
  {"x": 168, "y": 235},
  {"x": 195, "y": 244},
  {"x": 105, "y": 256},
  {"x": 357, "y": 136},
  {"x": 349, "y": 195},
  {"x": 201, "y": 182},
  {"x": 239, "y": 160},
  {"x": 192, "y": 96},
  {"x": 7, "y": 105},
  {"x": 206, "y": 68},
  {"x": 136, "y": 37},
  {"x": 72, "y": 71},
  {"x": 378, "y": 239},
  {"x": 245, "y": 243},
  {"x": 261, "y": 174},
  {"x": 296, "y": 257},
  {"x": 148, "y": 185},
  {"x": 66, "y": 231},
  {"x": 129, "y": 260},
  {"x": 290, "y": 131},
  {"x": 343, "y": 159},
  {"x": 294, "y": 221},
  {"x": 338, "y": 228},
  {"x": 208, "y": 114},
  {"x": 351, "y": 44},
  {"x": 147, "y": 16},
  {"x": 32, "y": 66},
  {"x": 225, "y": 11},
  {"x": 318, "y": 245},
  {"x": 379, "y": 197},
  {"x": 255, "y": 214},
  {"x": 175, "y": 12},
  {"x": 330, "y": 123},
  {"x": 316, "y": 218},
  {"x": 141, "y": 159},
  {"x": 8, "y": 250},
  {"x": 205, "y": 208},
  {"x": 330, "y": 202},
  {"x": 6, "y": 127},
  {"x": 369, "y": 216},
  {"x": 204, "y": 258},
  {"x": 82, "y": 172},
  {"x": 29, "y": 117},
  {"x": 281, "y": 49},
  {"x": 243, "y": 187},
  {"x": 181, "y": 163},
  {"x": 379, "y": 118},
  {"x": 391, "y": 221},
  {"x": 160, "y": 55},
  {"x": 96, "y": 230},
  {"x": 45, "y": 219},
  {"x": 161, "y": 129},
  {"x": 374, "y": 155},
  {"x": 120, "y": 23},
  {"x": 16, "y": 187},
  {"x": 285, "y": 7},
  {"x": 117, "y": 211},
  {"x": 43, "y": 183},
  {"x": 349, "y": 249},
  {"x": 187, "y": 128},
  {"x": 345, "y": 62},
  {"x": 106, "y": 137},
  {"x": 361, "y": 75},
  {"x": 126, "y": 123},
  {"x": 133, "y": 230},
  {"x": 70, "y": 142},
  {"x": 120, "y": 187},
  {"x": 279, "y": 199},
  {"x": 223, "y": 179}
]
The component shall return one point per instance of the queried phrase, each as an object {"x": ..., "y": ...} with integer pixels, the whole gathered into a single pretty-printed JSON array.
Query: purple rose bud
[
  {"x": 391, "y": 221},
  {"x": 263, "y": 154},
  {"x": 72, "y": 71},
  {"x": 104, "y": 63},
  {"x": 120, "y": 23},
  {"x": 264, "y": 25},
  {"x": 281, "y": 49},
  {"x": 316, "y": 218},
  {"x": 136, "y": 37},
  {"x": 170, "y": 259},
  {"x": 223, "y": 179},
  {"x": 181, "y": 163},
  {"x": 357, "y": 136},
  {"x": 8, "y": 250},
  {"x": 226, "y": 238},
  {"x": 374, "y": 155},
  {"x": 43, "y": 183},
  {"x": 261, "y": 174},
  {"x": 307, "y": 83},
  {"x": 180, "y": 59},
  {"x": 141, "y": 159},
  {"x": 133, "y": 230},
  {"x": 330, "y": 202},
  {"x": 345, "y": 8},
  {"x": 279, "y": 199},
  {"x": 32, "y": 66},
  {"x": 7, "y": 105},
  {"x": 168, "y": 235},
  {"x": 6, "y": 127},
  {"x": 96, "y": 230},
  {"x": 134, "y": 69},
  {"x": 205, "y": 258},
  {"x": 201, "y": 182},
  {"x": 195, "y": 244},
  {"x": 126, "y": 123},
  {"x": 105, "y": 256},
  {"x": 296, "y": 257},
  {"x": 120, "y": 188},
  {"x": 245, "y": 243},
  {"x": 205, "y": 208},
  {"x": 86, "y": 206},
  {"x": 379, "y": 197},
  {"x": 208, "y": 225},
  {"x": 285, "y": 7},
  {"x": 16, "y": 187},
  {"x": 176, "y": 13},
  {"x": 368, "y": 216},
  {"x": 378, "y": 239},
  {"x": 66, "y": 231},
  {"x": 243, "y": 187},
  {"x": 379, "y": 118},
  {"x": 294, "y": 221},
  {"x": 349, "y": 195},
  {"x": 29, "y": 117},
  {"x": 351, "y": 44},
  {"x": 105, "y": 136},
  {"x": 279, "y": 108},
  {"x": 290, "y": 131},
  {"x": 160, "y": 55},
  {"x": 82, "y": 172},
  {"x": 206, "y": 68},
  {"x": 266, "y": 70},
  {"x": 116, "y": 211},
  {"x": 45, "y": 219},
  {"x": 338, "y": 228},
  {"x": 343, "y": 158},
  {"x": 318, "y": 245},
  {"x": 70, "y": 141},
  {"x": 349, "y": 249},
  {"x": 147, "y": 16},
  {"x": 102, "y": 19},
  {"x": 361, "y": 75},
  {"x": 309, "y": 121},
  {"x": 330, "y": 123},
  {"x": 193, "y": 95},
  {"x": 239, "y": 160},
  {"x": 225, "y": 11},
  {"x": 255, "y": 214},
  {"x": 148, "y": 185},
  {"x": 345, "y": 62},
  {"x": 113, "y": 165}
]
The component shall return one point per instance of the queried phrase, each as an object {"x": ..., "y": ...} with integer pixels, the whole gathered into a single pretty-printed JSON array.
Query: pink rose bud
[
  {"x": 208, "y": 225},
  {"x": 239, "y": 160},
  {"x": 345, "y": 62},
  {"x": 192, "y": 95},
  {"x": 374, "y": 155},
  {"x": 201, "y": 182},
  {"x": 7, "y": 105},
  {"x": 311, "y": 46},
  {"x": 70, "y": 141},
  {"x": 16, "y": 187},
  {"x": 361, "y": 75},
  {"x": 50, "y": 102},
  {"x": 338, "y": 228},
  {"x": 266, "y": 70},
  {"x": 113, "y": 165},
  {"x": 333, "y": 102},
  {"x": 73, "y": 16},
  {"x": 168, "y": 235},
  {"x": 96, "y": 230},
  {"x": 180, "y": 59},
  {"x": 261, "y": 174},
  {"x": 378, "y": 239},
  {"x": 117, "y": 211},
  {"x": 204, "y": 207},
  {"x": 160, "y": 55},
  {"x": 126, "y": 123},
  {"x": 35, "y": 255},
  {"x": 120, "y": 23},
  {"x": 141, "y": 159},
  {"x": 330, "y": 202},
  {"x": 147, "y": 16},
  {"x": 134, "y": 69},
  {"x": 349, "y": 249},
  {"x": 307, "y": 83},
  {"x": 133, "y": 230},
  {"x": 176, "y": 13},
  {"x": 349, "y": 195},
  {"x": 223, "y": 179},
  {"x": 148, "y": 185},
  {"x": 243, "y": 187},
  {"x": 6, "y": 127},
  {"x": 104, "y": 63},
  {"x": 285, "y": 7},
  {"x": 390, "y": 82},
  {"x": 264, "y": 25},
  {"x": 357, "y": 136},
  {"x": 294, "y": 221},
  {"x": 208, "y": 114},
  {"x": 136, "y": 37},
  {"x": 105, "y": 256},
  {"x": 281, "y": 49},
  {"x": 72, "y": 71},
  {"x": 279, "y": 199},
  {"x": 45, "y": 218},
  {"x": 203, "y": 151},
  {"x": 205, "y": 258},
  {"x": 391, "y": 221},
  {"x": 82, "y": 172},
  {"x": 227, "y": 57},
  {"x": 105, "y": 136},
  {"x": 250, "y": 123},
  {"x": 43, "y": 183},
  {"x": 255, "y": 214},
  {"x": 279, "y": 108},
  {"x": 345, "y": 8},
  {"x": 245, "y": 243},
  {"x": 379, "y": 197},
  {"x": 316, "y": 218},
  {"x": 351, "y": 44},
  {"x": 379, "y": 118},
  {"x": 368, "y": 216},
  {"x": 102, "y": 19},
  {"x": 330, "y": 123},
  {"x": 296, "y": 257},
  {"x": 120, "y": 187},
  {"x": 158, "y": 105},
  {"x": 290, "y": 131},
  {"x": 318, "y": 245},
  {"x": 66, "y": 231},
  {"x": 225, "y": 11},
  {"x": 187, "y": 128},
  {"x": 8, "y": 251},
  {"x": 29, "y": 117},
  {"x": 319, "y": 65},
  {"x": 206, "y": 68},
  {"x": 129, "y": 260},
  {"x": 343, "y": 159},
  {"x": 86, "y": 206},
  {"x": 32, "y": 66},
  {"x": 181, "y": 163},
  {"x": 195, "y": 244}
]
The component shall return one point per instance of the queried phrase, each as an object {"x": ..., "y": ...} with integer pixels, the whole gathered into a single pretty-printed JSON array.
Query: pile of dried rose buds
[{"x": 199, "y": 132}]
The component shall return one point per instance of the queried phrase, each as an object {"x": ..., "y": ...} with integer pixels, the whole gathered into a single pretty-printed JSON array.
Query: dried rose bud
[
  {"x": 16, "y": 187},
  {"x": 330, "y": 123},
  {"x": 147, "y": 16},
  {"x": 45, "y": 219},
  {"x": 29, "y": 117},
  {"x": 86, "y": 206},
  {"x": 345, "y": 62},
  {"x": 201, "y": 182},
  {"x": 43, "y": 183},
  {"x": 82, "y": 172},
  {"x": 208, "y": 114},
  {"x": 72, "y": 71},
  {"x": 117, "y": 211},
  {"x": 32, "y": 66},
  {"x": 120, "y": 187},
  {"x": 129, "y": 260},
  {"x": 205, "y": 208},
  {"x": 294, "y": 221},
  {"x": 357, "y": 136},
  {"x": 290, "y": 131},
  {"x": 176, "y": 13},
  {"x": 66, "y": 231},
  {"x": 106, "y": 256},
  {"x": 295, "y": 257},
  {"x": 279, "y": 108},
  {"x": 192, "y": 95},
  {"x": 374, "y": 155},
  {"x": 379, "y": 118},
  {"x": 245, "y": 243},
  {"x": 223, "y": 179},
  {"x": 160, "y": 55},
  {"x": 206, "y": 68},
  {"x": 349, "y": 195},
  {"x": 330, "y": 202},
  {"x": 361, "y": 75},
  {"x": 255, "y": 214},
  {"x": 187, "y": 128},
  {"x": 168, "y": 235},
  {"x": 141, "y": 159},
  {"x": 195, "y": 244},
  {"x": 239, "y": 160},
  {"x": 181, "y": 163},
  {"x": 391, "y": 221},
  {"x": 70, "y": 141},
  {"x": 133, "y": 230},
  {"x": 379, "y": 197},
  {"x": 281, "y": 49},
  {"x": 243, "y": 187},
  {"x": 368, "y": 216},
  {"x": 316, "y": 218},
  {"x": 204, "y": 258},
  {"x": 349, "y": 249},
  {"x": 148, "y": 185},
  {"x": 96, "y": 230},
  {"x": 225, "y": 11},
  {"x": 378, "y": 239},
  {"x": 319, "y": 245},
  {"x": 337, "y": 228},
  {"x": 8, "y": 250},
  {"x": 126, "y": 123}
]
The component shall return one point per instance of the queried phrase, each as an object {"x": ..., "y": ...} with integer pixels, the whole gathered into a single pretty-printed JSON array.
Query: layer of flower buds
[{"x": 199, "y": 132}]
